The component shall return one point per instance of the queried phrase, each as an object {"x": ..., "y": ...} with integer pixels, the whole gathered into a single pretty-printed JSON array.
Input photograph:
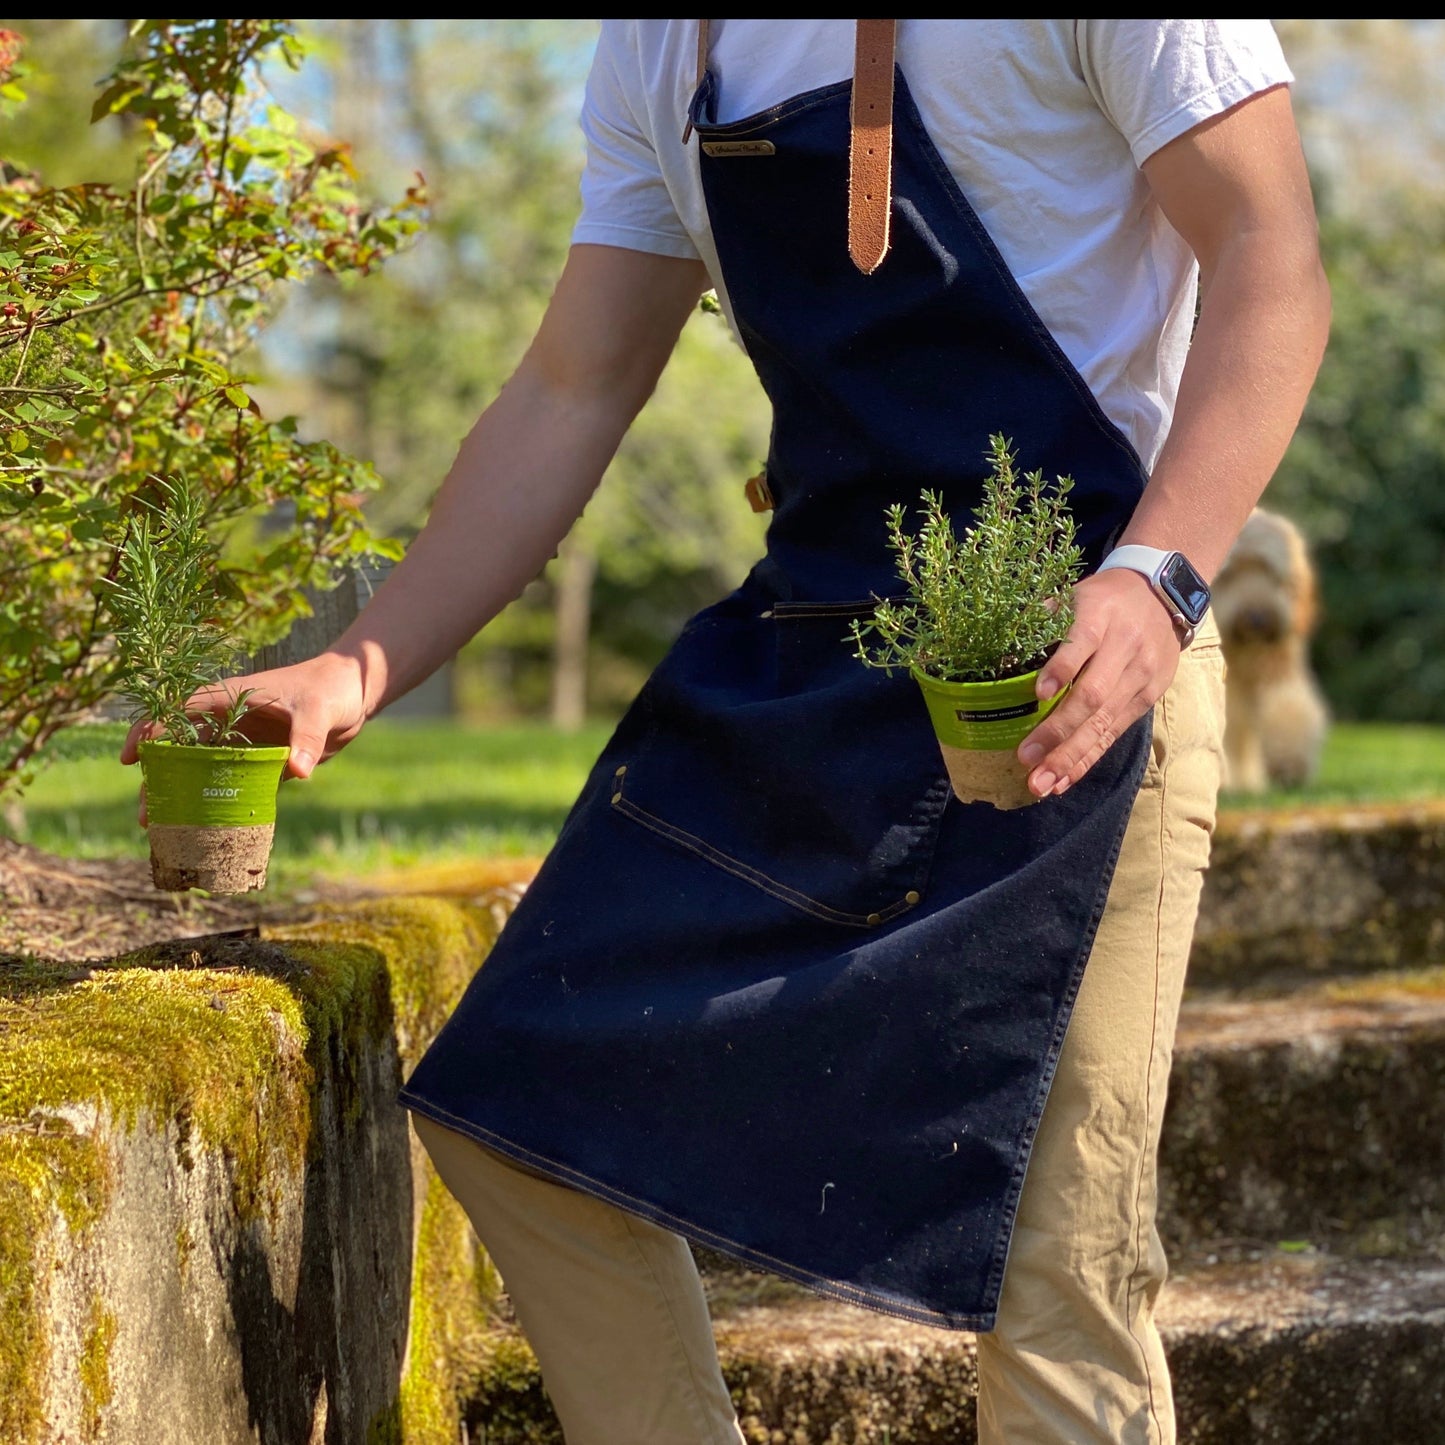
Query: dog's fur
[{"x": 1265, "y": 603}]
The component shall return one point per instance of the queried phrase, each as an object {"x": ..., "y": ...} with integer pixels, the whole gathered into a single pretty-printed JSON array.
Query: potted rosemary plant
[
  {"x": 210, "y": 794},
  {"x": 979, "y": 617}
]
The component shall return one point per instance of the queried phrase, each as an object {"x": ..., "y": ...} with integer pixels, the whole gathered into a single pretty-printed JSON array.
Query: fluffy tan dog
[{"x": 1265, "y": 603}]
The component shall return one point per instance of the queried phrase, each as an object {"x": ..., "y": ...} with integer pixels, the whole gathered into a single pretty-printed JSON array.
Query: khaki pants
[{"x": 613, "y": 1305}]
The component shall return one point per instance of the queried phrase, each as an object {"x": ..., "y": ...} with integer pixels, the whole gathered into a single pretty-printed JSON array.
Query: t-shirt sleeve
[
  {"x": 625, "y": 200},
  {"x": 1157, "y": 79}
]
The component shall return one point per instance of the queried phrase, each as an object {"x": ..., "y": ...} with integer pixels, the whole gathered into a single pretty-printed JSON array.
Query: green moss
[
  {"x": 23, "y": 1351},
  {"x": 454, "y": 1288},
  {"x": 95, "y": 1386},
  {"x": 221, "y": 1053},
  {"x": 46, "y": 1170},
  {"x": 432, "y": 947},
  {"x": 1420, "y": 982},
  {"x": 223, "y": 1039}
]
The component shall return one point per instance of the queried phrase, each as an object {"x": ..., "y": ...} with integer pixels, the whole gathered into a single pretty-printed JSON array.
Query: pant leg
[
  {"x": 1076, "y": 1357},
  {"x": 611, "y": 1304}
]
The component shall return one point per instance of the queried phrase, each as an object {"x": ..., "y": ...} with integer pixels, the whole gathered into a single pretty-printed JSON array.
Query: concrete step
[
  {"x": 1289, "y": 1350},
  {"x": 1310, "y": 892},
  {"x": 1319, "y": 1117}
]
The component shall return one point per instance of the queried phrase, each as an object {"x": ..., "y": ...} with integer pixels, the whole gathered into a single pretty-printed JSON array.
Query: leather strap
[
  {"x": 870, "y": 151},
  {"x": 870, "y": 144},
  {"x": 702, "y": 41}
]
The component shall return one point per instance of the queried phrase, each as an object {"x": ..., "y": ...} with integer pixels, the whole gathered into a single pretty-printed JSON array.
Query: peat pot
[
  {"x": 979, "y": 726},
  {"x": 212, "y": 814}
]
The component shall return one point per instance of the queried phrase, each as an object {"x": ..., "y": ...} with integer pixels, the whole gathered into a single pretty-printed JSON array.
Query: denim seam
[
  {"x": 705, "y": 850},
  {"x": 564, "y": 1174},
  {"x": 784, "y": 110}
]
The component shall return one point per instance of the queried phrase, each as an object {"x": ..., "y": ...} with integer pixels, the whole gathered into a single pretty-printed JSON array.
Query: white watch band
[{"x": 1149, "y": 562}]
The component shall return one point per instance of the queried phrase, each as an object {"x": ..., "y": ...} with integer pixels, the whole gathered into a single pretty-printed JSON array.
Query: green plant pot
[
  {"x": 211, "y": 814},
  {"x": 979, "y": 726}
]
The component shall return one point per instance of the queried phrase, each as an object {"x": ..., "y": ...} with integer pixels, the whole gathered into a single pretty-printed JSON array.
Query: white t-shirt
[{"x": 1044, "y": 124}]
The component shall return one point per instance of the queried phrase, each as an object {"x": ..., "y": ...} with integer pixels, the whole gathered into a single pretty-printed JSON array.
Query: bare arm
[
  {"x": 1237, "y": 190},
  {"x": 520, "y": 480}
]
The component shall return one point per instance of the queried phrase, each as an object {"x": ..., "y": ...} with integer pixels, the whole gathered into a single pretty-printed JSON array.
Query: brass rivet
[
  {"x": 912, "y": 896},
  {"x": 620, "y": 771},
  {"x": 875, "y": 919},
  {"x": 616, "y": 798}
]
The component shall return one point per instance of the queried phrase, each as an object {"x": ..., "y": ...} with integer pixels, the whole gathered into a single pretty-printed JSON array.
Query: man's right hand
[{"x": 314, "y": 707}]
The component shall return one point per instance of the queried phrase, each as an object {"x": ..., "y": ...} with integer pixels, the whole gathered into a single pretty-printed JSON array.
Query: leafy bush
[
  {"x": 991, "y": 603},
  {"x": 125, "y": 313}
]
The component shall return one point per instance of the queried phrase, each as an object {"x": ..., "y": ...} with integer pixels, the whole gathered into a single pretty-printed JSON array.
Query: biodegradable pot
[
  {"x": 212, "y": 814},
  {"x": 979, "y": 726}
]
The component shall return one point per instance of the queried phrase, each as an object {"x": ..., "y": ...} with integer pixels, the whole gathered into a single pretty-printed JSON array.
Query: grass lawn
[
  {"x": 407, "y": 793},
  {"x": 403, "y": 793}
]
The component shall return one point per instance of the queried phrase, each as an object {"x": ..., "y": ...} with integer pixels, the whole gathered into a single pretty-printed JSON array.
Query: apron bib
[{"x": 774, "y": 987}]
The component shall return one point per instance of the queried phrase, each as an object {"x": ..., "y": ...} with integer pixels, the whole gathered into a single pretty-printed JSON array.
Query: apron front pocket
[{"x": 772, "y": 753}]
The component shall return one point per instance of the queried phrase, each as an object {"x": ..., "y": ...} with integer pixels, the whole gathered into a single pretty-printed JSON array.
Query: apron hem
[
  {"x": 999, "y": 1264},
  {"x": 570, "y": 1178}
]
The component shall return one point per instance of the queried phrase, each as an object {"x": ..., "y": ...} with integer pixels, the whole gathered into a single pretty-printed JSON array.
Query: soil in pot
[
  {"x": 979, "y": 726},
  {"x": 212, "y": 814}
]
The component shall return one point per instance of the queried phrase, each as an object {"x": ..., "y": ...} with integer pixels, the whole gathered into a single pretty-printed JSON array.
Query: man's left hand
[{"x": 1120, "y": 655}]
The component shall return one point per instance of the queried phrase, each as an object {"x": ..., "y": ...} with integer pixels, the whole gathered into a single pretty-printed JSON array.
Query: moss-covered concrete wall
[
  {"x": 215, "y": 1223},
  {"x": 1320, "y": 891}
]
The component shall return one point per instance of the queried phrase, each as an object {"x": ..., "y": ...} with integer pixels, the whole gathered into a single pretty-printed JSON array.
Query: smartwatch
[{"x": 1175, "y": 582}]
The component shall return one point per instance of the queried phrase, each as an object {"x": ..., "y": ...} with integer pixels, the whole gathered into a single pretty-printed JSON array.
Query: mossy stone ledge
[
  {"x": 1309, "y": 893},
  {"x": 215, "y": 1222}
]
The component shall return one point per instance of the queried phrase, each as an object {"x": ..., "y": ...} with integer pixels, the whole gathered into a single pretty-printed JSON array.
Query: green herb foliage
[
  {"x": 991, "y": 603},
  {"x": 164, "y": 599}
]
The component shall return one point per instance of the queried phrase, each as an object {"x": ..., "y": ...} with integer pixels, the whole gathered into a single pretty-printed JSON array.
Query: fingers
[
  {"x": 315, "y": 708},
  {"x": 308, "y": 747},
  {"x": 139, "y": 733},
  {"x": 1119, "y": 657}
]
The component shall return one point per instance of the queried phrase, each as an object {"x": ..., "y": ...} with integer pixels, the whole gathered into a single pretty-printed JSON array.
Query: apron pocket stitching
[{"x": 754, "y": 876}]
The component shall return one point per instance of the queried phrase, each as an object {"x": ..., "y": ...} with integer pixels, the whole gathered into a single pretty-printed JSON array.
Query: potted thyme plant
[
  {"x": 981, "y": 613},
  {"x": 210, "y": 794}
]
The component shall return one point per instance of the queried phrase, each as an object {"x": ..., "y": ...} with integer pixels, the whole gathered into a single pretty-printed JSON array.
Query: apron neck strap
[
  {"x": 870, "y": 144},
  {"x": 702, "y": 46},
  {"x": 870, "y": 148}
]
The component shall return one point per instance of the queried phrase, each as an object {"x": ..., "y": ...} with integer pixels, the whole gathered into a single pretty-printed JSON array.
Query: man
[{"x": 773, "y": 991}]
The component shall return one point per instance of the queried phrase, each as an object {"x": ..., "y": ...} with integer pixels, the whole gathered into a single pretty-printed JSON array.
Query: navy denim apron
[{"x": 775, "y": 987}]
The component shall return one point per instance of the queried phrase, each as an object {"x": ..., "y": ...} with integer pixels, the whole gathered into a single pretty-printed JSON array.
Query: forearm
[
  {"x": 520, "y": 480},
  {"x": 1263, "y": 323},
  {"x": 524, "y": 473}
]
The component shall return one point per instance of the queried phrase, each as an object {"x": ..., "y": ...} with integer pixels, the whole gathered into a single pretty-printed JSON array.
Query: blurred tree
[
  {"x": 51, "y": 135},
  {"x": 1365, "y": 475},
  {"x": 486, "y": 110},
  {"x": 124, "y": 311},
  {"x": 1367, "y": 97}
]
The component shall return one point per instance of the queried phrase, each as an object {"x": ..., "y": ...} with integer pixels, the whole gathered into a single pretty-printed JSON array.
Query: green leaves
[
  {"x": 990, "y": 603},
  {"x": 123, "y": 314}
]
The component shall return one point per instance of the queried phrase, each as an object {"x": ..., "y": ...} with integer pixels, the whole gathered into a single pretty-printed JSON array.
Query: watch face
[{"x": 1185, "y": 587}]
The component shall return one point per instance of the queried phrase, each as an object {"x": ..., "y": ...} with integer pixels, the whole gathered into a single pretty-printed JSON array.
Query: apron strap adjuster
[{"x": 759, "y": 494}]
